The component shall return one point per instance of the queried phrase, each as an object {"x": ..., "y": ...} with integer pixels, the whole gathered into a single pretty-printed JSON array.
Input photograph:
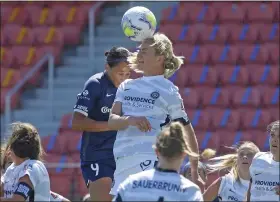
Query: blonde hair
[
  {"x": 163, "y": 46},
  {"x": 272, "y": 127},
  {"x": 229, "y": 161},
  {"x": 172, "y": 142},
  {"x": 207, "y": 154}
]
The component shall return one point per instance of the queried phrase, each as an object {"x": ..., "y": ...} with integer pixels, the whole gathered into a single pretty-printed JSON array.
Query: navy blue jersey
[{"x": 95, "y": 102}]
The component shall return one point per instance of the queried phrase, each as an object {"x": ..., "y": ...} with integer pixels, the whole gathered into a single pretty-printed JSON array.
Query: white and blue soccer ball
[{"x": 139, "y": 23}]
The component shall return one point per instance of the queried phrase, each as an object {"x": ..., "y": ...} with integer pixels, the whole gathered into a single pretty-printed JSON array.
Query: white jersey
[
  {"x": 158, "y": 185},
  {"x": 37, "y": 173},
  {"x": 233, "y": 190},
  {"x": 153, "y": 97},
  {"x": 264, "y": 173}
]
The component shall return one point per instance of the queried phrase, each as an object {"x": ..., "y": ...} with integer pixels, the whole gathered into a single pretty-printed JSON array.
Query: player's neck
[
  {"x": 276, "y": 158},
  {"x": 154, "y": 72},
  {"x": 171, "y": 165},
  {"x": 19, "y": 161}
]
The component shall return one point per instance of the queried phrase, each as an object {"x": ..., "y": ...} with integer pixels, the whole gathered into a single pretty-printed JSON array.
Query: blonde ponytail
[
  {"x": 172, "y": 65},
  {"x": 207, "y": 154}
]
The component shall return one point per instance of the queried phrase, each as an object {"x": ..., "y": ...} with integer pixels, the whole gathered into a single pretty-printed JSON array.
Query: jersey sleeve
[
  {"x": 87, "y": 98},
  {"x": 253, "y": 164},
  {"x": 120, "y": 93},
  {"x": 55, "y": 197},
  {"x": 197, "y": 196},
  {"x": 123, "y": 187},
  {"x": 176, "y": 108},
  {"x": 32, "y": 171},
  {"x": 222, "y": 185}
]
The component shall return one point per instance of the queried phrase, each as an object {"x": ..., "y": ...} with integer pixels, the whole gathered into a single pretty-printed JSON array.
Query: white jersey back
[
  {"x": 37, "y": 173},
  {"x": 157, "y": 185},
  {"x": 153, "y": 97},
  {"x": 264, "y": 172},
  {"x": 233, "y": 190}
]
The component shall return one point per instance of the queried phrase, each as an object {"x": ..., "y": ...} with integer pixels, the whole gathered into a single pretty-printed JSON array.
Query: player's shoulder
[
  {"x": 96, "y": 78},
  {"x": 228, "y": 178},
  {"x": 262, "y": 156},
  {"x": 172, "y": 88}
]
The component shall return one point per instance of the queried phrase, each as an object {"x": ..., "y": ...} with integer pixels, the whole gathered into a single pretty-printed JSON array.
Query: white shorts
[{"x": 130, "y": 165}]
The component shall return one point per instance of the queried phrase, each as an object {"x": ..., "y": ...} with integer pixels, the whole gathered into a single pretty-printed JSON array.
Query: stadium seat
[
  {"x": 7, "y": 59},
  {"x": 254, "y": 53},
  {"x": 255, "y": 119},
  {"x": 80, "y": 184},
  {"x": 74, "y": 139},
  {"x": 18, "y": 35},
  {"x": 273, "y": 51},
  {"x": 9, "y": 77},
  {"x": 24, "y": 56},
  {"x": 55, "y": 144},
  {"x": 203, "y": 76},
  {"x": 181, "y": 78},
  {"x": 233, "y": 75},
  {"x": 190, "y": 97},
  {"x": 224, "y": 118},
  {"x": 259, "y": 137},
  {"x": 15, "y": 100},
  {"x": 168, "y": 14},
  {"x": 268, "y": 32},
  {"x": 41, "y": 16},
  {"x": 173, "y": 31},
  {"x": 271, "y": 96},
  {"x": 240, "y": 33},
  {"x": 71, "y": 34},
  {"x": 62, "y": 184},
  {"x": 66, "y": 121},
  {"x": 215, "y": 96},
  {"x": 194, "y": 54},
  {"x": 232, "y": 13},
  {"x": 264, "y": 74},
  {"x": 195, "y": 11},
  {"x": 208, "y": 140},
  {"x": 226, "y": 54},
  {"x": 53, "y": 49},
  {"x": 274, "y": 112},
  {"x": 13, "y": 14},
  {"x": 260, "y": 13},
  {"x": 48, "y": 36},
  {"x": 200, "y": 119},
  {"x": 246, "y": 97}
]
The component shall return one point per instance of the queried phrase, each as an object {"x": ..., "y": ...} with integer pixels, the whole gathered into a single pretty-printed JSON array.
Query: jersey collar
[
  {"x": 108, "y": 78},
  {"x": 148, "y": 78},
  {"x": 166, "y": 170}
]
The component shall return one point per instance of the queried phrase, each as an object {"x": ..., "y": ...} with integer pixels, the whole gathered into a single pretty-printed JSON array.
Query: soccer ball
[{"x": 139, "y": 23}]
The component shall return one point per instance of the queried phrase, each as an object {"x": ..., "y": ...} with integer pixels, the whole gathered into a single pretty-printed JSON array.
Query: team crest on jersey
[
  {"x": 26, "y": 167},
  {"x": 85, "y": 93},
  {"x": 155, "y": 95}
]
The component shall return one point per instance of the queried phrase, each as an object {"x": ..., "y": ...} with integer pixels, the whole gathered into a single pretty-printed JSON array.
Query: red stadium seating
[
  {"x": 55, "y": 144},
  {"x": 18, "y": 35},
  {"x": 219, "y": 97},
  {"x": 246, "y": 97},
  {"x": 191, "y": 97},
  {"x": 255, "y": 119}
]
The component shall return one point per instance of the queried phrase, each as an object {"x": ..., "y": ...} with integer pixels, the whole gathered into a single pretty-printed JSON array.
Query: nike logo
[
  {"x": 257, "y": 174},
  {"x": 108, "y": 95},
  {"x": 126, "y": 89}
]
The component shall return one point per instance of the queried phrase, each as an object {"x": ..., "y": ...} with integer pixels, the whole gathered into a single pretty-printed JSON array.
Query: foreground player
[
  {"x": 264, "y": 170},
  {"x": 6, "y": 161},
  {"x": 91, "y": 114},
  {"x": 27, "y": 178},
  {"x": 141, "y": 107},
  {"x": 164, "y": 183},
  {"x": 234, "y": 185}
]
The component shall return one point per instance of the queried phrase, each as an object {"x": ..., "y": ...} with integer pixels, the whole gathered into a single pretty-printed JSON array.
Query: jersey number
[
  {"x": 95, "y": 168},
  {"x": 161, "y": 199}
]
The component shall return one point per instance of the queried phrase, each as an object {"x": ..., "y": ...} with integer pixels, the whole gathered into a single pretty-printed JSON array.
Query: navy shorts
[{"x": 95, "y": 170}]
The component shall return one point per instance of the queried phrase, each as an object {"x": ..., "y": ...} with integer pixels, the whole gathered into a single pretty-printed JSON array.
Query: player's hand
[
  {"x": 199, "y": 182},
  {"x": 140, "y": 122}
]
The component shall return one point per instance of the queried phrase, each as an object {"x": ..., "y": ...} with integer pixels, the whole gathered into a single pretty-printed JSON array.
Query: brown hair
[
  {"x": 163, "y": 46},
  {"x": 172, "y": 142},
  {"x": 25, "y": 141}
]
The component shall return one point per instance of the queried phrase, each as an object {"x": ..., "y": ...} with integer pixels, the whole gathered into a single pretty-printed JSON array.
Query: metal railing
[
  {"x": 91, "y": 27},
  {"x": 50, "y": 59}
]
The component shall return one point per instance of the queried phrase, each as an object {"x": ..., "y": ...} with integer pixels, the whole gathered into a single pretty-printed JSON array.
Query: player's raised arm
[{"x": 86, "y": 100}]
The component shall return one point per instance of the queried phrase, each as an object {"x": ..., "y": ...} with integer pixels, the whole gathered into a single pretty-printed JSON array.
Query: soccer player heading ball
[
  {"x": 164, "y": 183},
  {"x": 142, "y": 105}
]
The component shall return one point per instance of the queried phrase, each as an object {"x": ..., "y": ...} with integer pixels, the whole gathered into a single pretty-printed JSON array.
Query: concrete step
[
  {"x": 64, "y": 82},
  {"x": 79, "y": 61},
  {"x": 41, "y": 104},
  {"x": 109, "y": 31},
  {"x": 59, "y": 93},
  {"x": 75, "y": 71},
  {"x": 114, "y": 20}
]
